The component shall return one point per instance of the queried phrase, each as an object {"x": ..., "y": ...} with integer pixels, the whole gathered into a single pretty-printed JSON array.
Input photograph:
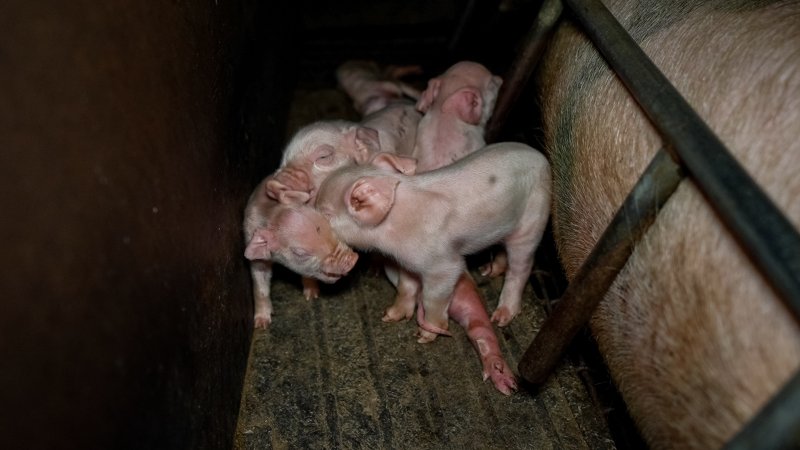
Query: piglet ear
[
  {"x": 367, "y": 143},
  {"x": 294, "y": 197},
  {"x": 274, "y": 188},
  {"x": 429, "y": 95},
  {"x": 261, "y": 245},
  {"x": 286, "y": 195},
  {"x": 490, "y": 97},
  {"x": 467, "y": 104},
  {"x": 495, "y": 84},
  {"x": 371, "y": 199},
  {"x": 287, "y": 179},
  {"x": 395, "y": 163}
]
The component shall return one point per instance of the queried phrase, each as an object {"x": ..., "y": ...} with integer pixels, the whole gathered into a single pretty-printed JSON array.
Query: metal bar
[
  {"x": 763, "y": 232},
  {"x": 462, "y": 24},
  {"x": 521, "y": 69},
  {"x": 775, "y": 426},
  {"x": 601, "y": 267}
]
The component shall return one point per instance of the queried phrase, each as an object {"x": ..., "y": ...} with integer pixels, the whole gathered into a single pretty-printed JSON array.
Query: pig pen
[{"x": 132, "y": 133}]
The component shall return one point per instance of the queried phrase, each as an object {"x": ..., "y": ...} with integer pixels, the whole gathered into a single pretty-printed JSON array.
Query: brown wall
[{"x": 130, "y": 135}]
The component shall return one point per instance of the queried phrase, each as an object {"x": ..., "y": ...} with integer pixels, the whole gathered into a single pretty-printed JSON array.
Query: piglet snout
[{"x": 340, "y": 262}]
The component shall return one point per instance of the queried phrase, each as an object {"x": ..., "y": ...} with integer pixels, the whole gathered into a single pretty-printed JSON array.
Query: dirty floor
[{"x": 328, "y": 374}]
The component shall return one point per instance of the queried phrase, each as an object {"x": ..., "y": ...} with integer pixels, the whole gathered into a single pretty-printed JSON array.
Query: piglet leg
[
  {"x": 520, "y": 262},
  {"x": 310, "y": 288},
  {"x": 437, "y": 289},
  {"x": 408, "y": 292},
  {"x": 408, "y": 288},
  {"x": 497, "y": 266},
  {"x": 261, "y": 272},
  {"x": 370, "y": 88},
  {"x": 425, "y": 325},
  {"x": 468, "y": 310}
]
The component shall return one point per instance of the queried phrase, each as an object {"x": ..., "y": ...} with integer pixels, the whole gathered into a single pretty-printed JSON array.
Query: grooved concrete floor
[{"x": 329, "y": 374}]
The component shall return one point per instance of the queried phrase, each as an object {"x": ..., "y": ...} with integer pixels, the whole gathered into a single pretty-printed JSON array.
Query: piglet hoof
[
  {"x": 502, "y": 316},
  {"x": 424, "y": 336},
  {"x": 311, "y": 292},
  {"x": 489, "y": 270},
  {"x": 427, "y": 331},
  {"x": 262, "y": 320},
  {"x": 310, "y": 288},
  {"x": 496, "y": 267},
  {"x": 396, "y": 313},
  {"x": 501, "y": 375}
]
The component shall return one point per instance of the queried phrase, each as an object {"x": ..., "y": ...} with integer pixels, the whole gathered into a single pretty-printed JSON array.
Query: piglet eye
[
  {"x": 325, "y": 158},
  {"x": 300, "y": 252}
]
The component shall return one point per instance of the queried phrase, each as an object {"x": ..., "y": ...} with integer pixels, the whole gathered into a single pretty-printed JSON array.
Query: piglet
[
  {"x": 498, "y": 194},
  {"x": 467, "y": 306},
  {"x": 373, "y": 88},
  {"x": 279, "y": 227},
  {"x": 456, "y": 107},
  {"x": 320, "y": 148},
  {"x": 295, "y": 236}
]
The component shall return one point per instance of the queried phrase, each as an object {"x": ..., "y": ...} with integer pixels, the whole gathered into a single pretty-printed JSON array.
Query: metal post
[
  {"x": 521, "y": 69},
  {"x": 775, "y": 427}
]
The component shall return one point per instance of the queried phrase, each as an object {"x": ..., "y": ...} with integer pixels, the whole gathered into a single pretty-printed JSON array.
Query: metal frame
[{"x": 760, "y": 228}]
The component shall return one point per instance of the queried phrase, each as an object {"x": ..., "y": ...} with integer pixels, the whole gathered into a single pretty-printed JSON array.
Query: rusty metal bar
[
  {"x": 601, "y": 267},
  {"x": 761, "y": 229},
  {"x": 775, "y": 426},
  {"x": 524, "y": 63}
]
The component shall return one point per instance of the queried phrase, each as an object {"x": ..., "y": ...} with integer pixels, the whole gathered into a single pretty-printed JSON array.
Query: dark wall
[{"x": 130, "y": 135}]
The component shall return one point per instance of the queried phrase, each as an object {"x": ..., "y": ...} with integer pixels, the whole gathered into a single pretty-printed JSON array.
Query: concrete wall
[{"x": 130, "y": 135}]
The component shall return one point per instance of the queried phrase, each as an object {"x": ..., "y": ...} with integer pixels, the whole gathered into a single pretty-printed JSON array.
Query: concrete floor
[{"x": 329, "y": 374}]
